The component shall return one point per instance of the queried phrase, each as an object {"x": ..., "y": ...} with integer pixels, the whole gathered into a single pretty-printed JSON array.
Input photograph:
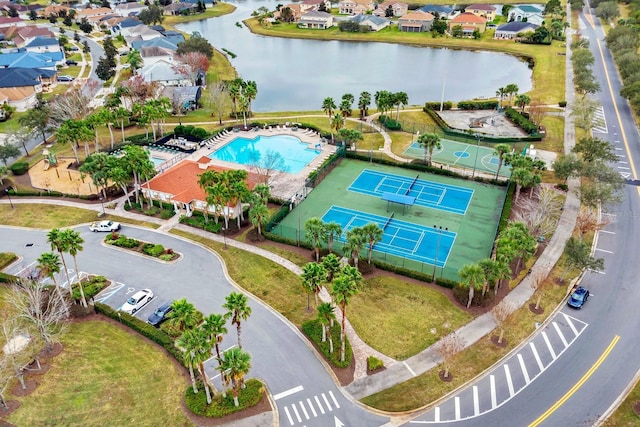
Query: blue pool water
[
  {"x": 264, "y": 149},
  {"x": 157, "y": 161}
]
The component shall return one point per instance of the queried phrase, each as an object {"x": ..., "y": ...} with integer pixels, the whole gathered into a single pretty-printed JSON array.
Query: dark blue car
[
  {"x": 578, "y": 297},
  {"x": 160, "y": 314}
]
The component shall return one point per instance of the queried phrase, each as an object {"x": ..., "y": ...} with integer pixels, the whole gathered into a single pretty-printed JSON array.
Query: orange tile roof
[
  {"x": 469, "y": 18},
  {"x": 417, "y": 16},
  {"x": 181, "y": 181}
]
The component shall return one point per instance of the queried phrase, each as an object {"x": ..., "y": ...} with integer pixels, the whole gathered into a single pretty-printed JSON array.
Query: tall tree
[
  {"x": 333, "y": 231},
  {"x": 429, "y": 141},
  {"x": 578, "y": 255},
  {"x": 343, "y": 288},
  {"x": 189, "y": 342},
  {"x": 472, "y": 277},
  {"x": 373, "y": 234},
  {"x": 238, "y": 309},
  {"x": 501, "y": 150},
  {"x": 400, "y": 99},
  {"x": 182, "y": 315},
  {"x": 313, "y": 275},
  {"x": 55, "y": 238},
  {"x": 315, "y": 232},
  {"x": 325, "y": 315},
  {"x": 364, "y": 101},
  {"x": 355, "y": 238},
  {"x": 215, "y": 328},
  {"x": 236, "y": 364},
  {"x": 511, "y": 89},
  {"x": 37, "y": 119},
  {"x": 72, "y": 242}
]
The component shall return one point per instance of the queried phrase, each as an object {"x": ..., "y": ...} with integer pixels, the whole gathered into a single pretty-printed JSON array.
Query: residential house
[
  {"x": 55, "y": 9},
  {"x": 355, "y": 7},
  {"x": 21, "y": 36},
  {"x": 528, "y": 13},
  {"x": 92, "y": 13},
  {"x": 118, "y": 23},
  {"x": 373, "y": 22},
  {"x": 162, "y": 42},
  {"x": 308, "y": 5},
  {"x": 316, "y": 20},
  {"x": 510, "y": 30},
  {"x": 483, "y": 10},
  {"x": 139, "y": 32},
  {"x": 7, "y": 21},
  {"x": 416, "y": 22},
  {"x": 153, "y": 54},
  {"x": 179, "y": 185},
  {"x": 43, "y": 44},
  {"x": 439, "y": 10},
  {"x": 25, "y": 59},
  {"x": 20, "y": 85},
  {"x": 24, "y": 10},
  {"x": 178, "y": 8},
  {"x": 296, "y": 11},
  {"x": 164, "y": 73},
  {"x": 398, "y": 8},
  {"x": 129, "y": 9},
  {"x": 469, "y": 23}
]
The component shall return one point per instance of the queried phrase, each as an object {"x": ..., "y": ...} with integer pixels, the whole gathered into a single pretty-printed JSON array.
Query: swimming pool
[
  {"x": 265, "y": 151},
  {"x": 157, "y": 161}
]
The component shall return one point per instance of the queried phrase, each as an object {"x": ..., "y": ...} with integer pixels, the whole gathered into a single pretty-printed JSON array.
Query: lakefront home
[
  {"x": 469, "y": 23},
  {"x": 483, "y": 10},
  {"x": 355, "y": 7},
  {"x": 416, "y": 22},
  {"x": 316, "y": 20},
  {"x": 398, "y": 8}
]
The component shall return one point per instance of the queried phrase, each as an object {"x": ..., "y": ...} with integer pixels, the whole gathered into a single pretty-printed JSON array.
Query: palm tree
[
  {"x": 429, "y": 141},
  {"x": 511, "y": 89},
  {"x": 49, "y": 265},
  {"x": 313, "y": 275},
  {"x": 337, "y": 122},
  {"x": 325, "y": 316},
  {"x": 183, "y": 314},
  {"x": 353, "y": 245},
  {"x": 522, "y": 101},
  {"x": 189, "y": 343},
  {"x": 328, "y": 106},
  {"x": 238, "y": 310},
  {"x": 364, "y": 101},
  {"x": 502, "y": 272},
  {"x": 333, "y": 230},
  {"x": 501, "y": 150},
  {"x": 236, "y": 364},
  {"x": 471, "y": 276},
  {"x": 214, "y": 328},
  {"x": 344, "y": 287},
  {"x": 400, "y": 98},
  {"x": 259, "y": 215},
  {"x": 73, "y": 244},
  {"x": 345, "y": 108},
  {"x": 489, "y": 269},
  {"x": 54, "y": 238},
  {"x": 250, "y": 91},
  {"x": 373, "y": 233},
  {"x": 202, "y": 354},
  {"x": 315, "y": 231},
  {"x": 501, "y": 93},
  {"x": 331, "y": 265}
]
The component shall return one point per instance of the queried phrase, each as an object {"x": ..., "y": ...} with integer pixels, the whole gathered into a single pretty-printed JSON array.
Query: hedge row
[
  {"x": 249, "y": 396},
  {"x": 390, "y": 123},
  {"x": 447, "y": 105},
  {"x": 190, "y": 130},
  {"x": 506, "y": 209},
  {"x": 521, "y": 121},
  {"x": 478, "y": 105},
  {"x": 199, "y": 221},
  {"x": 143, "y": 328},
  {"x": 313, "y": 330},
  {"x": 19, "y": 168}
]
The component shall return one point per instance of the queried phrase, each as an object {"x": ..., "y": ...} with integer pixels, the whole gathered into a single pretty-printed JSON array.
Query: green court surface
[
  {"x": 462, "y": 155},
  {"x": 468, "y": 238}
]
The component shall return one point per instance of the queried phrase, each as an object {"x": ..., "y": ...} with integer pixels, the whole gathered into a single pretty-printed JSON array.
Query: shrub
[
  {"x": 166, "y": 214},
  {"x": 313, "y": 329},
  {"x": 521, "y": 121},
  {"x": 7, "y": 278},
  {"x": 373, "y": 364},
  {"x": 197, "y": 220},
  {"x": 19, "y": 168},
  {"x": 390, "y": 123},
  {"x": 153, "y": 250},
  {"x": 199, "y": 133},
  {"x": 124, "y": 242},
  {"x": 249, "y": 396},
  {"x": 166, "y": 257},
  {"x": 478, "y": 105},
  {"x": 506, "y": 209},
  {"x": 562, "y": 104},
  {"x": 178, "y": 130},
  {"x": 436, "y": 105},
  {"x": 91, "y": 287},
  {"x": 143, "y": 329}
]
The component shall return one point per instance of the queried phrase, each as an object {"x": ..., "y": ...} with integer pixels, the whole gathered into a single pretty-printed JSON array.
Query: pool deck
[{"x": 283, "y": 185}]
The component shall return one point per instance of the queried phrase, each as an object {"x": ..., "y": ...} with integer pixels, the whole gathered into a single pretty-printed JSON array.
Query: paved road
[{"x": 304, "y": 390}]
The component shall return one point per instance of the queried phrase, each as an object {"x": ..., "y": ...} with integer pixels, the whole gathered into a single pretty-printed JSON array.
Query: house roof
[
  {"x": 26, "y": 60},
  {"x": 468, "y": 17},
  {"x": 294, "y": 7},
  {"x": 54, "y": 8},
  {"x": 440, "y": 8},
  {"x": 480, "y": 6},
  {"x": 153, "y": 51},
  {"x": 93, "y": 12},
  {"x": 158, "y": 28},
  {"x": 160, "y": 71},
  {"x": 20, "y": 77},
  {"x": 129, "y": 22},
  {"x": 418, "y": 16},
  {"x": 9, "y": 20},
  {"x": 163, "y": 42},
  {"x": 181, "y": 181},
  {"x": 176, "y": 7},
  {"x": 316, "y": 14},
  {"x": 377, "y": 20},
  {"x": 128, "y": 6},
  {"x": 312, "y": 2},
  {"x": 32, "y": 31},
  {"x": 516, "y": 26},
  {"x": 43, "y": 41},
  {"x": 386, "y": 4},
  {"x": 16, "y": 93},
  {"x": 528, "y": 8}
]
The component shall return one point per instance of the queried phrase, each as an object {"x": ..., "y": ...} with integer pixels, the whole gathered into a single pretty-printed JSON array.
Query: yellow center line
[{"x": 577, "y": 386}]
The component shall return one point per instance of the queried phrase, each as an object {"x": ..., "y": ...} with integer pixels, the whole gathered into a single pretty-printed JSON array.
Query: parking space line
[
  {"x": 537, "y": 356},
  {"x": 319, "y": 405},
  {"x": 571, "y": 325},
  {"x": 494, "y": 399},
  {"x": 456, "y": 402},
  {"x": 315, "y": 414},
  {"x": 560, "y": 334},
  {"x": 546, "y": 339},
  {"x": 509, "y": 381},
  {"x": 476, "y": 401},
  {"x": 527, "y": 380},
  {"x": 436, "y": 414}
]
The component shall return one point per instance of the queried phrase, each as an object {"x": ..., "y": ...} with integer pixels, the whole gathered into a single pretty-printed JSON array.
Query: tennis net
[
  {"x": 388, "y": 221},
  {"x": 412, "y": 183}
]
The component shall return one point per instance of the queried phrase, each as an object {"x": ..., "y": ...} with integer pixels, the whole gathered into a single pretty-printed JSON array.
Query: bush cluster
[
  {"x": 447, "y": 105},
  {"x": 19, "y": 168},
  {"x": 143, "y": 328},
  {"x": 7, "y": 278},
  {"x": 154, "y": 250},
  {"x": 123, "y": 241},
  {"x": 191, "y": 130},
  {"x": 313, "y": 330},
  {"x": 521, "y": 121},
  {"x": 277, "y": 217},
  {"x": 197, "y": 220},
  {"x": 390, "y": 123},
  {"x": 91, "y": 287},
  {"x": 373, "y": 364},
  {"x": 478, "y": 105},
  {"x": 506, "y": 208},
  {"x": 220, "y": 407}
]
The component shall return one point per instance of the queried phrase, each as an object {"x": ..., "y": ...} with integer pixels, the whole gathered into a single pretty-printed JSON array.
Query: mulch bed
[
  {"x": 229, "y": 420},
  {"x": 12, "y": 405},
  {"x": 494, "y": 340},
  {"x": 56, "y": 349},
  {"x": 446, "y": 379},
  {"x": 636, "y": 407},
  {"x": 369, "y": 372},
  {"x": 32, "y": 369},
  {"x": 18, "y": 391},
  {"x": 535, "y": 310}
]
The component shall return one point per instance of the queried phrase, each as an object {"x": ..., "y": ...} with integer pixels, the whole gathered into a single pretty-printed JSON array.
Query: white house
[
  {"x": 316, "y": 20},
  {"x": 527, "y": 13}
]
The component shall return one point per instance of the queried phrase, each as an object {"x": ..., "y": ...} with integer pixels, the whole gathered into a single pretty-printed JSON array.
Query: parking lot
[{"x": 117, "y": 294}]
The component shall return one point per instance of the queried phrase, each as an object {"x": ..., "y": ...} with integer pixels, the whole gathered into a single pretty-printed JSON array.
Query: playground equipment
[{"x": 49, "y": 159}]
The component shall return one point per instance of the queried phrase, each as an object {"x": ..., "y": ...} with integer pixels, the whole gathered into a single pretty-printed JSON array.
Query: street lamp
[
  {"x": 479, "y": 138},
  {"x": 9, "y": 196},
  {"x": 102, "y": 203},
  {"x": 297, "y": 203},
  {"x": 224, "y": 237},
  {"x": 435, "y": 262}
]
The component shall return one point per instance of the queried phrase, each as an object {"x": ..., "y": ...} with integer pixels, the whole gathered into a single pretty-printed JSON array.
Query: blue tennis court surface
[
  {"x": 400, "y": 238},
  {"x": 434, "y": 195}
]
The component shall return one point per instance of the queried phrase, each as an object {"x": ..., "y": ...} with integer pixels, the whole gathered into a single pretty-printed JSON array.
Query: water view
[{"x": 296, "y": 75}]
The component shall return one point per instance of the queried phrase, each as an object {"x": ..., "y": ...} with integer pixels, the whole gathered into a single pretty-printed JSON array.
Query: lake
[{"x": 296, "y": 74}]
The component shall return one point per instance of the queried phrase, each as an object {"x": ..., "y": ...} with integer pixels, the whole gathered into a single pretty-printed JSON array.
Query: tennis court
[
  {"x": 445, "y": 197},
  {"x": 463, "y": 155},
  {"x": 401, "y": 238}
]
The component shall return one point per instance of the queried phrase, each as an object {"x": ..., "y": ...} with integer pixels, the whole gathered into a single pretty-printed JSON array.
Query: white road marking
[
  {"x": 409, "y": 368},
  {"x": 286, "y": 411},
  {"x": 288, "y": 392},
  {"x": 319, "y": 404},
  {"x": 546, "y": 339},
  {"x": 594, "y": 271},
  {"x": 326, "y": 402},
  {"x": 571, "y": 325},
  {"x": 456, "y": 402},
  {"x": 527, "y": 380},
  {"x": 536, "y": 356},
  {"x": 312, "y": 408},
  {"x": 606, "y": 232},
  {"x": 604, "y": 250},
  {"x": 476, "y": 401},
  {"x": 335, "y": 402},
  {"x": 494, "y": 399},
  {"x": 560, "y": 334},
  {"x": 507, "y": 373},
  {"x": 436, "y": 414},
  {"x": 623, "y": 167},
  {"x": 304, "y": 410},
  {"x": 295, "y": 410}
]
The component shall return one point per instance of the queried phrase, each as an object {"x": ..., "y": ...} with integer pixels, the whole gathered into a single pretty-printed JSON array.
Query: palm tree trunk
[
  {"x": 193, "y": 379},
  {"x": 239, "y": 341},
  {"x": 66, "y": 271},
  {"x": 324, "y": 332},
  {"x": 501, "y": 336},
  {"x": 471, "y": 292},
  {"x": 82, "y": 298},
  {"x": 122, "y": 129},
  {"x": 205, "y": 383},
  {"x": 330, "y": 340}
]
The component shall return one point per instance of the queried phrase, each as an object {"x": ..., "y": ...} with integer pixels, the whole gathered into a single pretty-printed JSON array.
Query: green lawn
[
  {"x": 106, "y": 376},
  {"x": 401, "y": 319}
]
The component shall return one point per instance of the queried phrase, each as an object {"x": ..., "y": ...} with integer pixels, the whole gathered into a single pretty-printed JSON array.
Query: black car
[
  {"x": 578, "y": 297},
  {"x": 160, "y": 315},
  {"x": 71, "y": 62}
]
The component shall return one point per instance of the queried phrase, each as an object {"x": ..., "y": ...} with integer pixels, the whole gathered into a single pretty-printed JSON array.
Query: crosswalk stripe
[
  {"x": 286, "y": 411},
  {"x": 304, "y": 409},
  {"x": 536, "y": 356},
  {"x": 319, "y": 405},
  {"x": 295, "y": 410},
  {"x": 560, "y": 334},
  {"x": 335, "y": 402},
  {"x": 568, "y": 319},
  {"x": 313, "y": 410},
  {"x": 326, "y": 401},
  {"x": 527, "y": 380}
]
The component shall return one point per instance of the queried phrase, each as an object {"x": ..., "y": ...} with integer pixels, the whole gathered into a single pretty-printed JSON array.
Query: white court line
[
  {"x": 319, "y": 404},
  {"x": 606, "y": 232},
  {"x": 295, "y": 410},
  {"x": 286, "y": 411},
  {"x": 604, "y": 250},
  {"x": 444, "y": 192},
  {"x": 326, "y": 402},
  {"x": 476, "y": 401},
  {"x": 546, "y": 339},
  {"x": 456, "y": 402},
  {"x": 415, "y": 248},
  {"x": 494, "y": 399},
  {"x": 509, "y": 381},
  {"x": 312, "y": 408},
  {"x": 537, "y": 356},
  {"x": 409, "y": 368},
  {"x": 560, "y": 334},
  {"x": 288, "y": 392},
  {"x": 304, "y": 410},
  {"x": 527, "y": 380},
  {"x": 335, "y": 402},
  {"x": 571, "y": 325}
]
